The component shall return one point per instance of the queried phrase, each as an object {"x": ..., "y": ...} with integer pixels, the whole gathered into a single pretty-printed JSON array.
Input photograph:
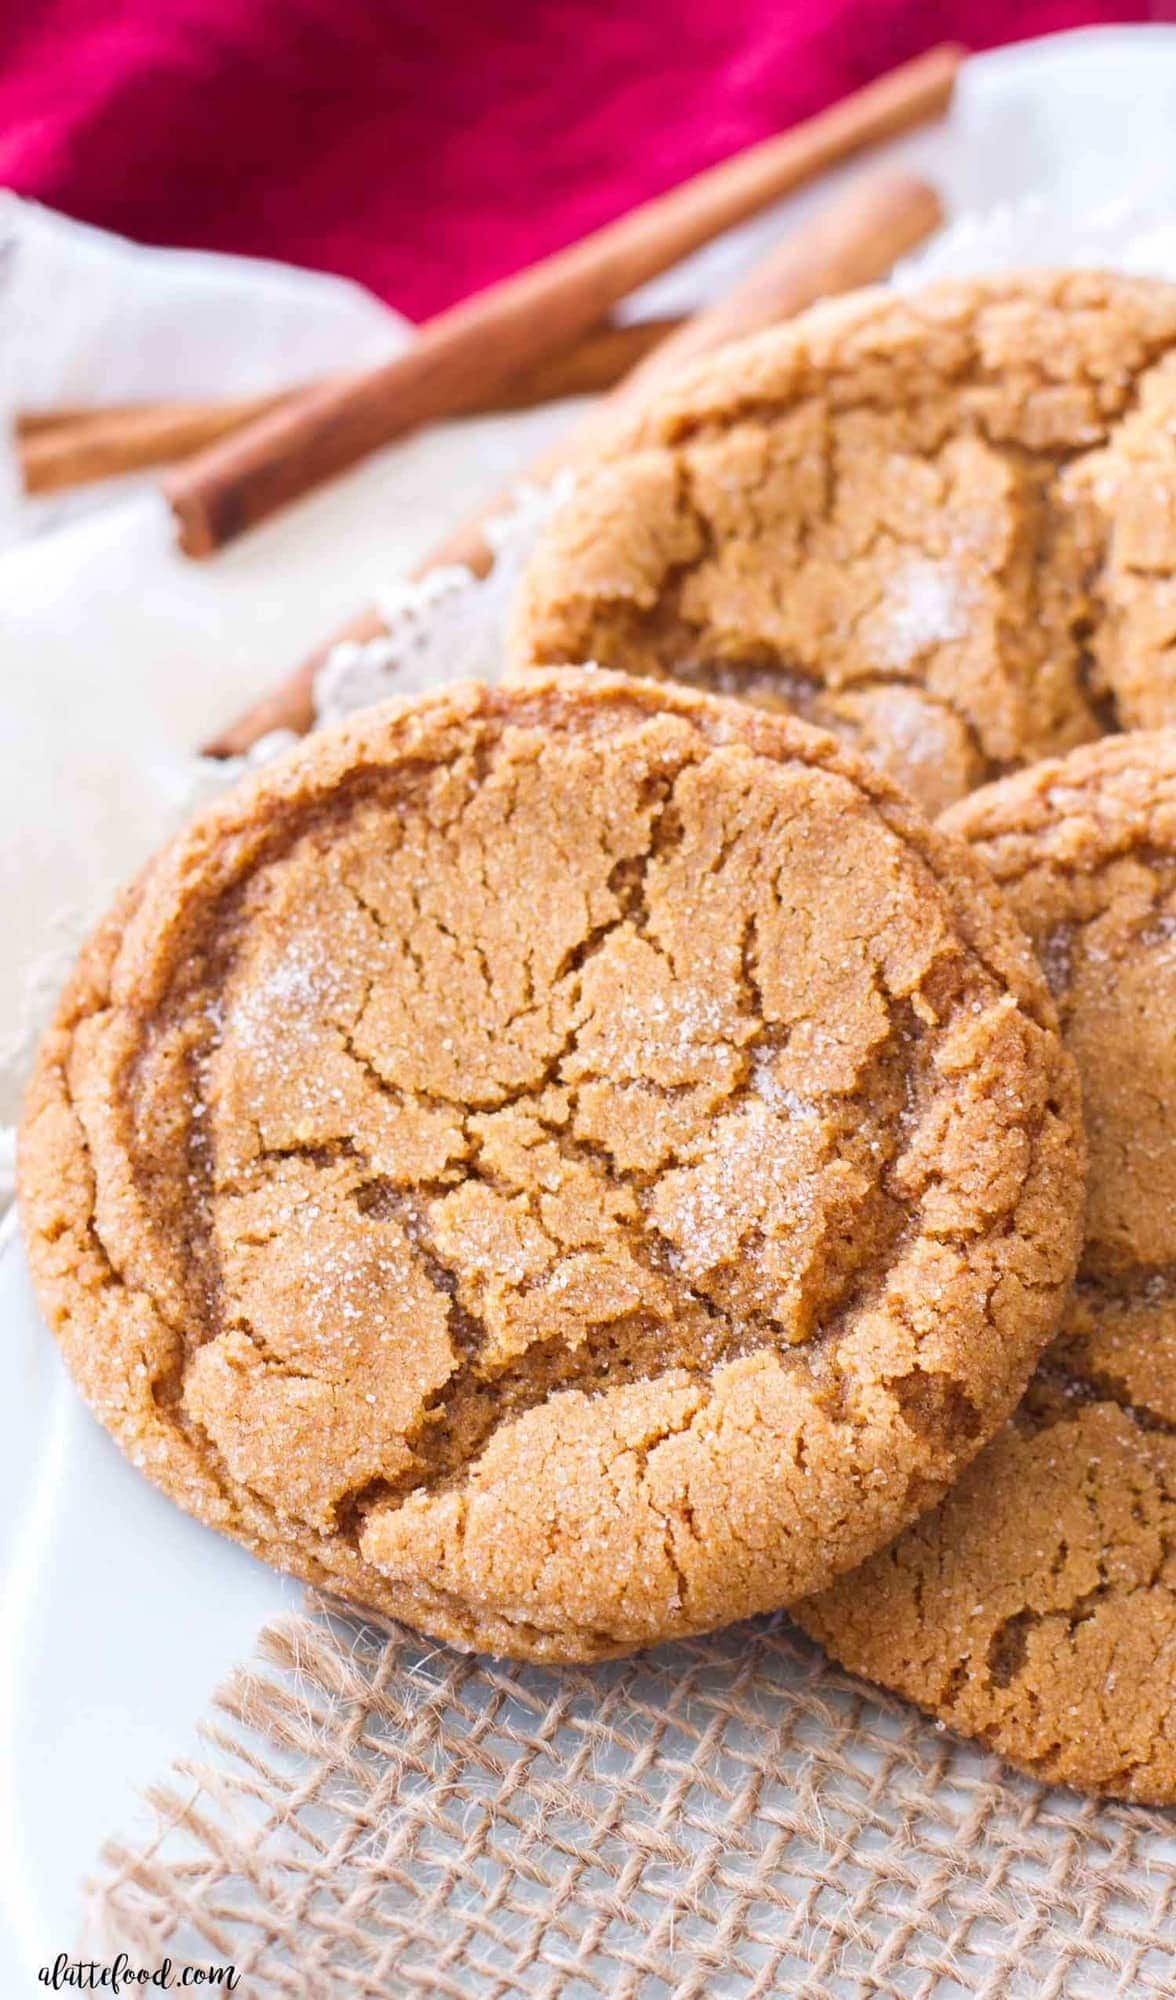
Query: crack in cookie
[{"x": 568, "y": 1164}]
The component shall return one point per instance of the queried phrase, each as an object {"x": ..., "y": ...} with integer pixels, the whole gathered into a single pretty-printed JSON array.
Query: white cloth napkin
[{"x": 88, "y": 318}]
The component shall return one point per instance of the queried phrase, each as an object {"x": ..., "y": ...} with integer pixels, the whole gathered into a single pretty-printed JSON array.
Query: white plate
[{"x": 118, "y": 1615}]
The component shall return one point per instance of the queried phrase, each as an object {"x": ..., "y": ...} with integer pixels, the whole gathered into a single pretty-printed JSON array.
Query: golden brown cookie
[
  {"x": 566, "y": 1166},
  {"x": 943, "y": 526},
  {"x": 1037, "y": 1608}
]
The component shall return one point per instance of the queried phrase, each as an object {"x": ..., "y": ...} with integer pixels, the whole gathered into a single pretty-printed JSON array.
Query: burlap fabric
[{"x": 378, "y": 1816}]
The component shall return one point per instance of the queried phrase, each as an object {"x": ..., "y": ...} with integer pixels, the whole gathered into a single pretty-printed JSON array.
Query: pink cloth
[{"x": 423, "y": 147}]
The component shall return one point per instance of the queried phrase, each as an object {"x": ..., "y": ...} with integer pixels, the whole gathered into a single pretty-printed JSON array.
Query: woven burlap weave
[{"x": 376, "y": 1816}]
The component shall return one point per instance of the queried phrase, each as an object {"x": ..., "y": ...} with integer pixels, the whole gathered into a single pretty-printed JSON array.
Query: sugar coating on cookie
[
  {"x": 568, "y": 1165},
  {"x": 941, "y": 525},
  {"x": 1037, "y": 1608}
]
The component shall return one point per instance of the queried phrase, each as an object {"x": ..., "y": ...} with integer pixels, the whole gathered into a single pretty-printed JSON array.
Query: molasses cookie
[
  {"x": 1037, "y": 1608},
  {"x": 941, "y": 525},
  {"x": 566, "y": 1165}
]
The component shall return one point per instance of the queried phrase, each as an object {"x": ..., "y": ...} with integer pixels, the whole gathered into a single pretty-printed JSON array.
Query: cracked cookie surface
[
  {"x": 941, "y": 525},
  {"x": 1037, "y": 1607},
  {"x": 566, "y": 1165}
]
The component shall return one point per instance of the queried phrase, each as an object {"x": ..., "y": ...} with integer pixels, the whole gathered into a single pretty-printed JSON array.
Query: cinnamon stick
[
  {"x": 58, "y": 450},
  {"x": 68, "y": 447},
  {"x": 856, "y": 240},
  {"x": 467, "y": 352},
  {"x": 853, "y": 242}
]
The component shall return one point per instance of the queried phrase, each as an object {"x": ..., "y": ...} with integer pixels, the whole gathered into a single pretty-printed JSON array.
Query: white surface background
[{"x": 117, "y": 1615}]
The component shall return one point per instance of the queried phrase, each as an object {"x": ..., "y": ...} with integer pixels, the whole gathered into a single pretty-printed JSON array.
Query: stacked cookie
[
  {"x": 1037, "y": 1607},
  {"x": 575, "y": 1163},
  {"x": 943, "y": 527}
]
